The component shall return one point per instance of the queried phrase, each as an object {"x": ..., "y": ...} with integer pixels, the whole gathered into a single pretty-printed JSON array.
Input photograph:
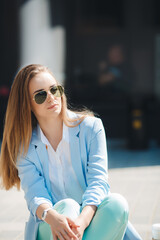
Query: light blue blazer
[{"x": 89, "y": 160}]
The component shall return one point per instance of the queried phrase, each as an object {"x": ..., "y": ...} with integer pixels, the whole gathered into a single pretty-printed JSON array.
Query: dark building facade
[
  {"x": 113, "y": 65},
  {"x": 9, "y": 49},
  {"x": 112, "y": 61}
]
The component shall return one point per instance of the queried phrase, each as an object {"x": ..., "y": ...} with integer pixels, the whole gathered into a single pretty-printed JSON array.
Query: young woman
[{"x": 59, "y": 157}]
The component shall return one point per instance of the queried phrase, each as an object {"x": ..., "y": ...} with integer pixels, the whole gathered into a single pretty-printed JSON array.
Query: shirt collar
[{"x": 65, "y": 136}]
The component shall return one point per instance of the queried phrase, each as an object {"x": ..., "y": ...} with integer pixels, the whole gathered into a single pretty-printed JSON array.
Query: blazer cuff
[{"x": 35, "y": 203}]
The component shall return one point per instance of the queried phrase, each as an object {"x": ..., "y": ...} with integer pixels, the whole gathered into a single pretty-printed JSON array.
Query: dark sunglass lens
[
  {"x": 57, "y": 91},
  {"x": 40, "y": 97},
  {"x": 53, "y": 90},
  {"x": 61, "y": 90}
]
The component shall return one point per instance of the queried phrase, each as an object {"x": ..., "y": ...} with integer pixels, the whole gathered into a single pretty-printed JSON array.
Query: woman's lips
[{"x": 52, "y": 106}]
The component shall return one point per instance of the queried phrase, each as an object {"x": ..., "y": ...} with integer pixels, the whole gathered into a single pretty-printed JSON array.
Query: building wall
[{"x": 40, "y": 42}]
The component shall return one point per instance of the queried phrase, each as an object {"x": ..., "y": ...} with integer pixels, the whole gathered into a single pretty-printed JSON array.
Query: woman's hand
[
  {"x": 83, "y": 220},
  {"x": 79, "y": 230},
  {"x": 61, "y": 226}
]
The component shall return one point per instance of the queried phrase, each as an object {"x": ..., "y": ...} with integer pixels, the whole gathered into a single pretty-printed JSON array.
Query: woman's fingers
[
  {"x": 71, "y": 233},
  {"x": 72, "y": 224},
  {"x": 65, "y": 235},
  {"x": 77, "y": 233},
  {"x": 54, "y": 236},
  {"x": 62, "y": 228},
  {"x": 60, "y": 237}
]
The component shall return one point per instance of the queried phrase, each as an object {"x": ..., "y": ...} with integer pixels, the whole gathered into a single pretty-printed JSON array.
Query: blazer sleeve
[
  {"x": 96, "y": 169},
  {"x": 33, "y": 183}
]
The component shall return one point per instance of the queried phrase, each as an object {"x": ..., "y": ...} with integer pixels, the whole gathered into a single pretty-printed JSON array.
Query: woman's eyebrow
[{"x": 39, "y": 90}]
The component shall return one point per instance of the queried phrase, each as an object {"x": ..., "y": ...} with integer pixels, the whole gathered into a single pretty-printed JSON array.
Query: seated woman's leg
[
  {"x": 67, "y": 207},
  {"x": 110, "y": 220},
  {"x": 131, "y": 233}
]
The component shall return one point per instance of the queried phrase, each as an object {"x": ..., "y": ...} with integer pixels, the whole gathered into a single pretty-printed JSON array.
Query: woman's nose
[{"x": 49, "y": 96}]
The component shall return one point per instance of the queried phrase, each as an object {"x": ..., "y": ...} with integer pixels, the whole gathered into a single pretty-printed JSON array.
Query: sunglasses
[{"x": 40, "y": 97}]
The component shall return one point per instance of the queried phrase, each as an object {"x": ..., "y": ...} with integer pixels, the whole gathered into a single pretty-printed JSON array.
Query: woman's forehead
[
  {"x": 41, "y": 81},
  {"x": 43, "y": 77}
]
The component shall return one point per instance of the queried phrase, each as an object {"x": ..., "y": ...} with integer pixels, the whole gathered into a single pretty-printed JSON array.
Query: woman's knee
[
  {"x": 110, "y": 220},
  {"x": 116, "y": 206},
  {"x": 66, "y": 203},
  {"x": 68, "y": 207}
]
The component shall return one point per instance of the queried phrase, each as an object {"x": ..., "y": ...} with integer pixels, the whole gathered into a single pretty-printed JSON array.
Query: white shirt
[{"x": 61, "y": 173}]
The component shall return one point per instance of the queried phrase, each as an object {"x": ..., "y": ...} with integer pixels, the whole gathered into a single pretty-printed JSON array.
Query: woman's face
[{"x": 51, "y": 107}]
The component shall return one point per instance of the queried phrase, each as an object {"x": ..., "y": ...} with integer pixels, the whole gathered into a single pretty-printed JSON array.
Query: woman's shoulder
[
  {"x": 91, "y": 122},
  {"x": 88, "y": 120}
]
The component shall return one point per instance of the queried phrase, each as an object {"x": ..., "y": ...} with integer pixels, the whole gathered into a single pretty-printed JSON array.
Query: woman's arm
[
  {"x": 96, "y": 171},
  {"x": 61, "y": 226},
  {"x": 84, "y": 220},
  {"x": 38, "y": 199},
  {"x": 33, "y": 185},
  {"x": 87, "y": 215},
  {"x": 64, "y": 226}
]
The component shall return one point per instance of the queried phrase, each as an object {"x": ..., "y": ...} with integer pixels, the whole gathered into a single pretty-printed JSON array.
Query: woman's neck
[{"x": 53, "y": 130}]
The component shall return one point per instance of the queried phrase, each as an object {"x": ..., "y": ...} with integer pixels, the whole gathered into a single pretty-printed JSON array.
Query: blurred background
[{"x": 106, "y": 54}]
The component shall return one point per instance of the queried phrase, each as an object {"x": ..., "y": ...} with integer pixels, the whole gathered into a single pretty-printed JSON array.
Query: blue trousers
[{"x": 109, "y": 222}]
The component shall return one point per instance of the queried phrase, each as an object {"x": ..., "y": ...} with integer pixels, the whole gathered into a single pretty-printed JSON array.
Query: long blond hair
[{"x": 20, "y": 122}]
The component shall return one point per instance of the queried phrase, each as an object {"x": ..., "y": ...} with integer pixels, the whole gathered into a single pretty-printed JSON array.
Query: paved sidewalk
[
  {"x": 13, "y": 215},
  {"x": 139, "y": 185}
]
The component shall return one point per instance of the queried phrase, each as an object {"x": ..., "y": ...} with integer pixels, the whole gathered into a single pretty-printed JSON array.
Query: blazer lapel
[
  {"x": 43, "y": 157},
  {"x": 76, "y": 155}
]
